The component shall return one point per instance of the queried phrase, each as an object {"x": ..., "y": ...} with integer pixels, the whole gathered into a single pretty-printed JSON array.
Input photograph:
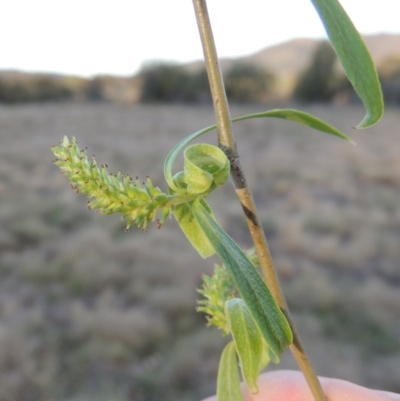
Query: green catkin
[{"x": 108, "y": 193}]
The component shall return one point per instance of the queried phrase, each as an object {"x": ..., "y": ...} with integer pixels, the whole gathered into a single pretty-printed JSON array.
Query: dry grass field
[{"x": 89, "y": 312}]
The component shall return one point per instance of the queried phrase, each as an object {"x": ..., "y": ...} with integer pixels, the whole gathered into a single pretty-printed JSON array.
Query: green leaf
[
  {"x": 287, "y": 114},
  {"x": 299, "y": 117},
  {"x": 178, "y": 182},
  {"x": 204, "y": 165},
  {"x": 228, "y": 382},
  {"x": 170, "y": 159},
  {"x": 267, "y": 356},
  {"x": 192, "y": 229},
  {"x": 248, "y": 341},
  {"x": 354, "y": 56},
  {"x": 270, "y": 319}
]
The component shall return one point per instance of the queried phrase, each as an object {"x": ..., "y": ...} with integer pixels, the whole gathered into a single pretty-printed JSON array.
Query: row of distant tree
[
  {"x": 162, "y": 82},
  {"x": 322, "y": 82},
  {"x": 33, "y": 89},
  {"x": 172, "y": 83},
  {"x": 157, "y": 82},
  {"x": 22, "y": 88}
]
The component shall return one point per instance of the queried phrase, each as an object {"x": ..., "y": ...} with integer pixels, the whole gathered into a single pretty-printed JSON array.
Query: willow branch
[{"x": 227, "y": 143}]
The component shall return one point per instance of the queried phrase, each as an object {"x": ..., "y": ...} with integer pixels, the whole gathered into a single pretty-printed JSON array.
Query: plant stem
[{"x": 227, "y": 143}]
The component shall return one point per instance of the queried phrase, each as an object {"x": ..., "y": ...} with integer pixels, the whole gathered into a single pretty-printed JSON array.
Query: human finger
[{"x": 289, "y": 385}]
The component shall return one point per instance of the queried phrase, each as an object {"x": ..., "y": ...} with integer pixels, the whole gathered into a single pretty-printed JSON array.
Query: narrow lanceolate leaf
[
  {"x": 270, "y": 319},
  {"x": 354, "y": 56},
  {"x": 299, "y": 117},
  {"x": 248, "y": 341},
  {"x": 228, "y": 382}
]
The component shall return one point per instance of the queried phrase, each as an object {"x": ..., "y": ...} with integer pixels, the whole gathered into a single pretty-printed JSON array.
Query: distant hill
[
  {"x": 287, "y": 60},
  {"x": 293, "y": 56}
]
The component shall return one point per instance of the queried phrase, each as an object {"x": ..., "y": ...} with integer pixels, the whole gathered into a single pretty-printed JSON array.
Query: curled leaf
[
  {"x": 205, "y": 166},
  {"x": 172, "y": 155},
  {"x": 287, "y": 114}
]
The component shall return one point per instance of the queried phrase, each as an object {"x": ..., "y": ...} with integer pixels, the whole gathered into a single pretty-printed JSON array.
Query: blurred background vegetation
[
  {"x": 89, "y": 312},
  {"x": 303, "y": 70}
]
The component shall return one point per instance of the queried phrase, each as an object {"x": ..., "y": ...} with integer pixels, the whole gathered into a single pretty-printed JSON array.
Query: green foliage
[
  {"x": 40, "y": 88},
  {"x": 247, "y": 83},
  {"x": 354, "y": 57},
  {"x": 390, "y": 68},
  {"x": 216, "y": 290},
  {"x": 248, "y": 341},
  {"x": 286, "y": 114},
  {"x": 95, "y": 89},
  {"x": 162, "y": 82},
  {"x": 191, "y": 228},
  {"x": 390, "y": 78},
  {"x": 24, "y": 88},
  {"x": 298, "y": 117},
  {"x": 273, "y": 324},
  {"x": 205, "y": 168},
  {"x": 228, "y": 383},
  {"x": 62, "y": 255},
  {"x": 166, "y": 82},
  {"x": 317, "y": 83},
  {"x": 259, "y": 327}
]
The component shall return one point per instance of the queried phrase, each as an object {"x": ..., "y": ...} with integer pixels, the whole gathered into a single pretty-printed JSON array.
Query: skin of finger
[{"x": 289, "y": 385}]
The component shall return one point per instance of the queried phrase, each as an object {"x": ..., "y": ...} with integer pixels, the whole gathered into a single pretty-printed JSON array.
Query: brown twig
[{"x": 227, "y": 143}]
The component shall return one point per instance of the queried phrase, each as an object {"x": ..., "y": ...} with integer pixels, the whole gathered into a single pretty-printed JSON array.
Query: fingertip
[
  {"x": 337, "y": 389},
  {"x": 389, "y": 395},
  {"x": 288, "y": 385},
  {"x": 282, "y": 385}
]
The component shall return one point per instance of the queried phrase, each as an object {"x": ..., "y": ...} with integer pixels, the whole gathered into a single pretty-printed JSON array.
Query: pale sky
[{"x": 89, "y": 37}]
